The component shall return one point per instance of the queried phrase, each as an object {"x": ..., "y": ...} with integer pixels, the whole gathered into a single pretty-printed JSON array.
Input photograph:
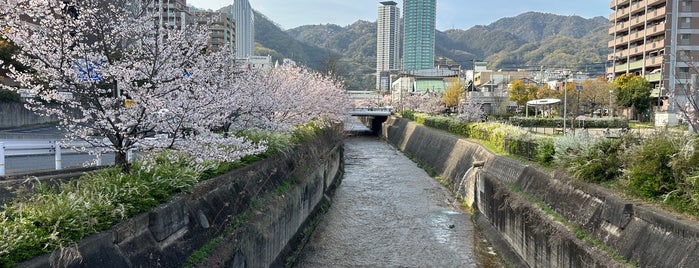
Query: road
[{"x": 23, "y": 164}]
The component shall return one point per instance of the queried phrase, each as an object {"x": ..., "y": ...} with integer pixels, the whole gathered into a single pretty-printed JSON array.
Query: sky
[{"x": 451, "y": 14}]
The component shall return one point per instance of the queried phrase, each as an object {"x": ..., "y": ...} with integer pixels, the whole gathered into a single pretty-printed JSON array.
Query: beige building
[
  {"x": 222, "y": 28},
  {"x": 170, "y": 13},
  {"x": 659, "y": 40}
]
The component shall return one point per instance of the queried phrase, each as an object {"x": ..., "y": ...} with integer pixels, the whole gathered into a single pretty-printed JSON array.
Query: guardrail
[{"x": 36, "y": 147}]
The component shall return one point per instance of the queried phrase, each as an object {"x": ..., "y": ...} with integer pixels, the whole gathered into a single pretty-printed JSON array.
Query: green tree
[
  {"x": 633, "y": 92},
  {"x": 521, "y": 93}
]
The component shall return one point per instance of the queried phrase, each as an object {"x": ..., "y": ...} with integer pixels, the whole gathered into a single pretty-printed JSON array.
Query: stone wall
[
  {"x": 526, "y": 234},
  {"x": 274, "y": 216},
  {"x": 14, "y": 115}
]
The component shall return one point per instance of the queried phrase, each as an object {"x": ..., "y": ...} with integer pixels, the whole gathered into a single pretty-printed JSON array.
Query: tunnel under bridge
[{"x": 372, "y": 118}]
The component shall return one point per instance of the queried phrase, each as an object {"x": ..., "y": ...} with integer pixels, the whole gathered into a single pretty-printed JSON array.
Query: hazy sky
[{"x": 459, "y": 14}]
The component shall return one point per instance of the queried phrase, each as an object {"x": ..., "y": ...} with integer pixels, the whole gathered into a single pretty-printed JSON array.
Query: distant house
[{"x": 423, "y": 82}]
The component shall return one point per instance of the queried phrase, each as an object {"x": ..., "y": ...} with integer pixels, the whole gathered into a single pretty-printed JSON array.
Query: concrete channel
[{"x": 388, "y": 212}]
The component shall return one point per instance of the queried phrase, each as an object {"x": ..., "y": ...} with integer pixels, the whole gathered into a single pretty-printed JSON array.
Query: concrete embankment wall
[
  {"x": 524, "y": 232},
  {"x": 276, "y": 197},
  {"x": 14, "y": 115}
]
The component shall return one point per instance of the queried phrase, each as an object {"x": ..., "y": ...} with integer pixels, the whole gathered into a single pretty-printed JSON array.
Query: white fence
[{"x": 36, "y": 147}]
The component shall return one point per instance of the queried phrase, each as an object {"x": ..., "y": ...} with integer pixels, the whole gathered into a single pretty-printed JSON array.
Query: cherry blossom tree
[
  {"x": 377, "y": 102},
  {"x": 471, "y": 110},
  {"x": 106, "y": 71},
  {"x": 287, "y": 96}
]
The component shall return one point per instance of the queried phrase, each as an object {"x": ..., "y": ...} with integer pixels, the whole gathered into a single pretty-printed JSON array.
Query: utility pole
[{"x": 566, "y": 73}]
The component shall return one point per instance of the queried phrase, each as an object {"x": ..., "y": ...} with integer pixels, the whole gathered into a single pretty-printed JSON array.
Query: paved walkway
[{"x": 389, "y": 213}]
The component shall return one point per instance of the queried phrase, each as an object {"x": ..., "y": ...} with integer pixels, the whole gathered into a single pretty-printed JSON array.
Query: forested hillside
[{"x": 527, "y": 41}]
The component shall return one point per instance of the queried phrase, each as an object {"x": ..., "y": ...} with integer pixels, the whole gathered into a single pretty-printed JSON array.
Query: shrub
[
  {"x": 545, "y": 152},
  {"x": 568, "y": 148},
  {"x": 460, "y": 128},
  {"x": 408, "y": 114},
  {"x": 647, "y": 167},
  {"x": 598, "y": 162},
  {"x": 438, "y": 122},
  {"x": 605, "y": 122}
]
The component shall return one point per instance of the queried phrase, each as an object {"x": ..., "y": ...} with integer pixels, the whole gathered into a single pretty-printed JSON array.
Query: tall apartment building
[
  {"x": 171, "y": 13},
  {"x": 387, "y": 43},
  {"x": 245, "y": 29},
  {"x": 222, "y": 28},
  {"x": 659, "y": 40},
  {"x": 419, "y": 25}
]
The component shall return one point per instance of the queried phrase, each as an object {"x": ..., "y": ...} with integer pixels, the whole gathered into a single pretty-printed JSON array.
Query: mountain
[{"x": 527, "y": 41}]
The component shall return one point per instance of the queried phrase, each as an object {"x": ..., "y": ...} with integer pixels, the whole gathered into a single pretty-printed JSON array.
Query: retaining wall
[
  {"x": 14, "y": 115},
  {"x": 526, "y": 234},
  {"x": 167, "y": 235}
]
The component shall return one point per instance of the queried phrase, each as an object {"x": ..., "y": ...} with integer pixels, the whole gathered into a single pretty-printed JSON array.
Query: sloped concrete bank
[
  {"x": 270, "y": 201},
  {"x": 501, "y": 191}
]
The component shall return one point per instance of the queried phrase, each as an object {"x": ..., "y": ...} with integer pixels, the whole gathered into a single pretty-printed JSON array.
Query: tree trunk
[{"x": 121, "y": 161}]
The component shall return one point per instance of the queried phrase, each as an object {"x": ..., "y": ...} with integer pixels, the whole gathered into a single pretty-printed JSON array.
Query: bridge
[
  {"x": 384, "y": 111},
  {"x": 372, "y": 117}
]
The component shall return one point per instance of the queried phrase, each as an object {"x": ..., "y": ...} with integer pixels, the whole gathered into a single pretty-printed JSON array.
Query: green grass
[{"x": 641, "y": 125}]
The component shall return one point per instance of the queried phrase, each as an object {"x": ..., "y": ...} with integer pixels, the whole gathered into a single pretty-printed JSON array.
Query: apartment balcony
[
  {"x": 615, "y": 3},
  {"x": 620, "y": 54},
  {"x": 657, "y": 13},
  {"x": 634, "y": 51},
  {"x": 621, "y": 27},
  {"x": 637, "y": 21},
  {"x": 617, "y": 42},
  {"x": 656, "y": 77},
  {"x": 618, "y": 68},
  {"x": 621, "y": 14},
  {"x": 655, "y": 30},
  {"x": 638, "y": 6},
  {"x": 636, "y": 65},
  {"x": 654, "y": 61},
  {"x": 657, "y": 45},
  {"x": 637, "y": 36},
  {"x": 655, "y": 2}
]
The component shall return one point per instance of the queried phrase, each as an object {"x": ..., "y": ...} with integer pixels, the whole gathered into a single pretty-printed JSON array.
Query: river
[{"x": 388, "y": 212}]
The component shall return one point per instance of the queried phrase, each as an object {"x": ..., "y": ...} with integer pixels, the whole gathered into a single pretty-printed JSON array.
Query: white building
[
  {"x": 387, "y": 43},
  {"x": 261, "y": 63},
  {"x": 242, "y": 13}
]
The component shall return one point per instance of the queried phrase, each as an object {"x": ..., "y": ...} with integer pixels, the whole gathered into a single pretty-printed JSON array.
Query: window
[
  {"x": 683, "y": 73},
  {"x": 686, "y": 5},
  {"x": 684, "y": 55},
  {"x": 684, "y": 39},
  {"x": 685, "y": 22}
]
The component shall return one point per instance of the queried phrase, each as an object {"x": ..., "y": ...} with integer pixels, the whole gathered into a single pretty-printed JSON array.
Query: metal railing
[{"x": 37, "y": 147}]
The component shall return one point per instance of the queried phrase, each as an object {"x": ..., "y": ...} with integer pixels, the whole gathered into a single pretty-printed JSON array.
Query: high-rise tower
[
  {"x": 419, "y": 23},
  {"x": 244, "y": 27},
  {"x": 387, "y": 43}
]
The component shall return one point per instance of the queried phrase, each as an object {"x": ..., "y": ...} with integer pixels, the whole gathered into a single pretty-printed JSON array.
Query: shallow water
[{"x": 388, "y": 212}]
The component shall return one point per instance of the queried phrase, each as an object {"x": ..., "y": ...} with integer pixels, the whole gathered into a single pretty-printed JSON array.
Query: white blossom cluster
[{"x": 113, "y": 78}]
